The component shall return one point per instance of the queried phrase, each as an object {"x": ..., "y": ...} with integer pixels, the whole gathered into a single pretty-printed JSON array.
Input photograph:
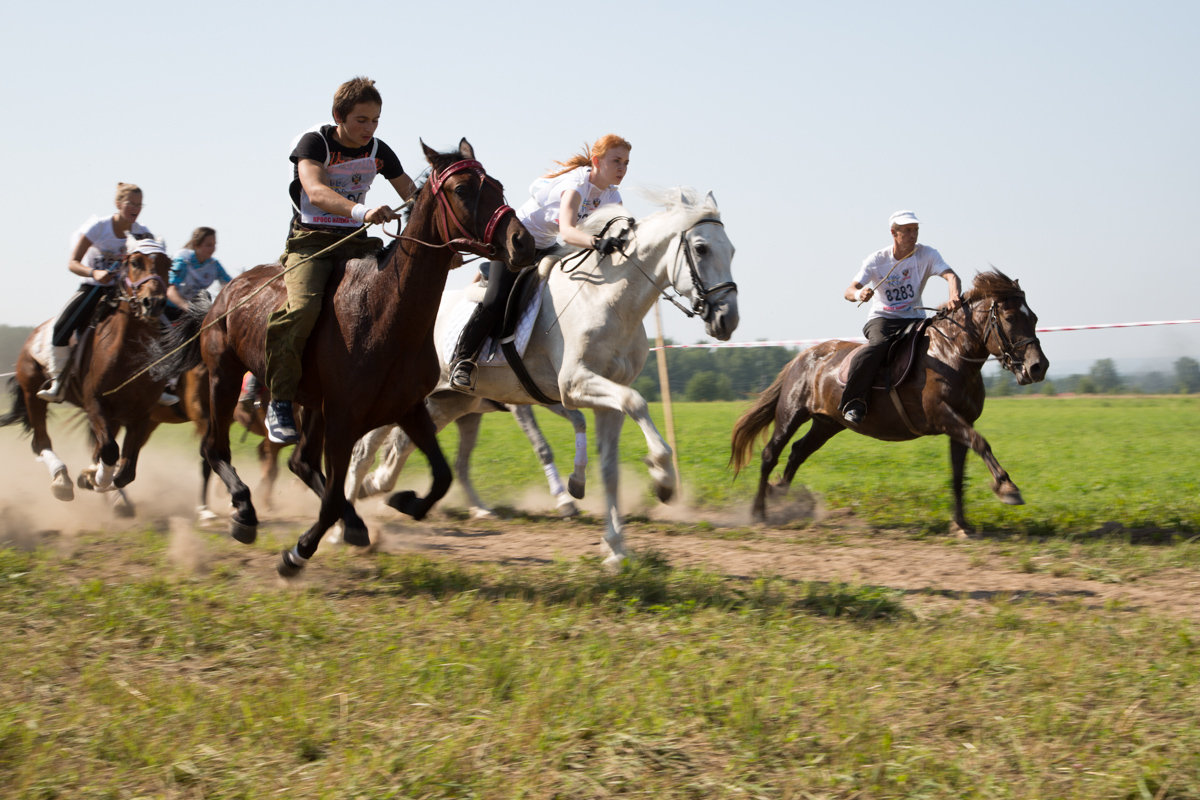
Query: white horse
[
  {"x": 465, "y": 411},
  {"x": 589, "y": 344}
]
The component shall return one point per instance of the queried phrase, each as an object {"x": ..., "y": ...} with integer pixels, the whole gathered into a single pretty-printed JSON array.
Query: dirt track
[{"x": 807, "y": 546}]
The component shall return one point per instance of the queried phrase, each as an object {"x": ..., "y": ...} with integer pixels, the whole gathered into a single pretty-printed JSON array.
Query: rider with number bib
[
  {"x": 896, "y": 276},
  {"x": 334, "y": 168},
  {"x": 560, "y": 202}
]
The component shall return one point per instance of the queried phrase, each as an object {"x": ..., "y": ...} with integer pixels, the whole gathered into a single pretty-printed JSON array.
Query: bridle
[
  {"x": 445, "y": 217},
  {"x": 127, "y": 289},
  {"x": 1008, "y": 348},
  {"x": 700, "y": 291}
]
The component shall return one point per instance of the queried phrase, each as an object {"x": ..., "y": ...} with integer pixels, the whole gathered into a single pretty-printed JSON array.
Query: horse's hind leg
[
  {"x": 541, "y": 447},
  {"x": 785, "y": 428},
  {"x": 576, "y": 483},
  {"x": 958, "y": 460},
  {"x": 358, "y": 482},
  {"x": 333, "y": 507},
  {"x": 214, "y": 448}
]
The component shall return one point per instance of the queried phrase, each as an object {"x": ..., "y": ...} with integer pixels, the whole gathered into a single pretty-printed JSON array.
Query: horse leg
[
  {"x": 525, "y": 418},
  {"x": 268, "y": 459},
  {"x": 333, "y": 506},
  {"x": 419, "y": 426},
  {"x": 576, "y": 483},
  {"x": 823, "y": 429},
  {"x": 961, "y": 431},
  {"x": 608, "y": 437},
  {"x": 214, "y": 448},
  {"x": 204, "y": 514},
  {"x": 305, "y": 462},
  {"x": 136, "y": 436},
  {"x": 786, "y": 426},
  {"x": 958, "y": 460},
  {"x": 468, "y": 436},
  {"x": 396, "y": 447},
  {"x": 35, "y": 413}
]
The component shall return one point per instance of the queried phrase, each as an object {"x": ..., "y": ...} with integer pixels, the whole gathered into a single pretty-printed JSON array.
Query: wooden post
[{"x": 664, "y": 384}]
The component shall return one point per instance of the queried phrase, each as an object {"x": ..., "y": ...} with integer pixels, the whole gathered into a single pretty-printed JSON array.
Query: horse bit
[{"x": 445, "y": 212}]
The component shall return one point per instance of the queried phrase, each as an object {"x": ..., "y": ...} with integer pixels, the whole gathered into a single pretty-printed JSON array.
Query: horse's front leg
[
  {"x": 576, "y": 484},
  {"x": 214, "y": 448},
  {"x": 468, "y": 436},
  {"x": 589, "y": 390},
  {"x": 136, "y": 436},
  {"x": 60, "y": 478},
  {"x": 608, "y": 438},
  {"x": 99, "y": 476},
  {"x": 961, "y": 431},
  {"x": 334, "y": 507},
  {"x": 421, "y": 430}
]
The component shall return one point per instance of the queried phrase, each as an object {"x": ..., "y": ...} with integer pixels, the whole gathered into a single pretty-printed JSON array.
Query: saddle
[{"x": 902, "y": 354}]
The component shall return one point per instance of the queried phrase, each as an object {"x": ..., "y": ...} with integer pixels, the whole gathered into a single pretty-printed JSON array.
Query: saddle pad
[
  {"x": 900, "y": 359},
  {"x": 490, "y": 354}
]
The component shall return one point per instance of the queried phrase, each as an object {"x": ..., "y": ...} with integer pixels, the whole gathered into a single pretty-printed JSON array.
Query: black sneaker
[
  {"x": 462, "y": 376},
  {"x": 281, "y": 428},
  {"x": 854, "y": 413}
]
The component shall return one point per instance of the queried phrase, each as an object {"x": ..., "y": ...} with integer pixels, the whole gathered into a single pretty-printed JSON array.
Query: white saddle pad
[{"x": 490, "y": 354}]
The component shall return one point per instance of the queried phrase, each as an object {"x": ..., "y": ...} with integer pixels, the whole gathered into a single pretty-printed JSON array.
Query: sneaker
[
  {"x": 168, "y": 399},
  {"x": 462, "y": 377},
  {"x": 281, "y": 428},
  {"x": 854, "y": 413}
]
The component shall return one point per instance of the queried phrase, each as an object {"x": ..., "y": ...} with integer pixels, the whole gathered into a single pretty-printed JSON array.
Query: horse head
[
  {"x": 703, "y": 264},
  {"x": 471, "y": 213},
  {"x": 1009, "y": 325},
  {"x": 143, "y": 277}
]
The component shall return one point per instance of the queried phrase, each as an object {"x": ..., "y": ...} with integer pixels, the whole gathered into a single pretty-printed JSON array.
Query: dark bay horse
[
  {"x": 943, "y": 393},
  {"x": 102, "y": 362},
  {"x": 370, "y": 360}
]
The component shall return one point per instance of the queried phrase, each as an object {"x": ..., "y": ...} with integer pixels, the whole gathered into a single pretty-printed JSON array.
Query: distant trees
[
  {"x": 1187, "y": 375},
  {"x": 12, "y": 339}
]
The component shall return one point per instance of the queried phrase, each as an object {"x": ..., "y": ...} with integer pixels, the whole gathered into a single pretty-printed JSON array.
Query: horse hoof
[
  {"x": 1009, "y": 494},
  {"x": 121, "y": 505},
  {"x": 356, "y": 535},
  {"x": 962, "y": 531},
  {"x": 664, "y": 493},
  {"x": 575, "y": 487},
  {"x": 406, "y": 502},
  {"x": 613, "y": 563},
  {"x": 205, "y": 516},
  {"x": 286, "y": 568},
  {"x": 568, "y": 509},
  {"x": 61, "y": 487},
  {"x": 478, "y": 512},
  {"x": 246, "y": 534}
]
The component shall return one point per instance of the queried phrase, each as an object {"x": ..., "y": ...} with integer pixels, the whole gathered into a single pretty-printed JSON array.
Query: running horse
[
  {"x": 942, "y": 393},
  {"x": 589, "y": 343},
  {"x": 370, "y": 360},
  {"x": 101, "y": 378}
]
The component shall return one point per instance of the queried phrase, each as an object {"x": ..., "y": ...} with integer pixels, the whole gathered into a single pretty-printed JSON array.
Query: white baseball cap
[{"x": 904, "y": 218}]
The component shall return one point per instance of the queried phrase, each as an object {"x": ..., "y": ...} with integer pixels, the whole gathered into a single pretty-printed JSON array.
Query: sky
[{"x": 1056, "y": 141}]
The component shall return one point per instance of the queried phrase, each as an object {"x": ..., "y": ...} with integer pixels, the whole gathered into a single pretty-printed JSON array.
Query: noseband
[
  {"x": 127, "y": 289},
  {"x": 445, "y": 212},
  {"x": 700, "y": 304},
  {"x": 1008, "y": 358}
]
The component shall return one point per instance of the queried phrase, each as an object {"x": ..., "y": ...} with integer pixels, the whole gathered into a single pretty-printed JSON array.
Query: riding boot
[
  {"x": 57, "y": 363},
  {"x": 462, "y": 364}
]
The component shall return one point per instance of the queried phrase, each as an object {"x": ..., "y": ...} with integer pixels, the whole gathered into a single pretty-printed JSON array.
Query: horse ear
[
  {"x": 465, "y": 149},
  {"x": 711, "y": 199},
  {"x": 429, "y": 151}
]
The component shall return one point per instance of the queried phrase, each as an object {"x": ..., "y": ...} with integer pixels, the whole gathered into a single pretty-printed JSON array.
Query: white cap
[{"x": 903, "y": 218}]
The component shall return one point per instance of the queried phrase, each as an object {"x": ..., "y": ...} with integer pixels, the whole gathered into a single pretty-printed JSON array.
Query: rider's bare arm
[{"x": 316, "y": 185}]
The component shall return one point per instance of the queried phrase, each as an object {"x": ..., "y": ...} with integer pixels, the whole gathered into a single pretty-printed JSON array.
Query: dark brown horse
[
  {"x": 942, "y": 393},
  {"x": 108, "y": 354},
  {"x": 370, "y": 360},
  {"x": 193, "y": 391}
]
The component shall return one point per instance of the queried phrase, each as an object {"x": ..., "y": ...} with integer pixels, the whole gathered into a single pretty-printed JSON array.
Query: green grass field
[{"x": 123, "y": 675}]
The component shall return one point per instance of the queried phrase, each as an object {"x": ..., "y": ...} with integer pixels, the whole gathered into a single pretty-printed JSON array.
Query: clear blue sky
[{"x": 1057, "y": 141}]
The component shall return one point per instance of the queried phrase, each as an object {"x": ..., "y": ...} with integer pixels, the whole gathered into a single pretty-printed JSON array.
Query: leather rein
[{"x": 445, "y": 215}]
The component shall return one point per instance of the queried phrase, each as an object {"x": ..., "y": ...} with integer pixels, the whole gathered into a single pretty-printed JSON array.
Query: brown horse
[
  {"x": 370, "y": 360},
  {"x": 192, "y": 389},
  {"x": 108, "y": 353},
  {"x": 942, "y": 393}
]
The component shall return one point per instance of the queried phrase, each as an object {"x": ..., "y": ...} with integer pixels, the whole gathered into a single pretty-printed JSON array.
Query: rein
[
  {"x": 445, "y": 215},
  {"x": 1007, "y": 358}
]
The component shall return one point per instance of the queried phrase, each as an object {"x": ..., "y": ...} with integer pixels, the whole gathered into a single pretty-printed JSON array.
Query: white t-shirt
[
  {"x": 899, "y": 297},
  {"x": 107, "y": 248},
  {"x": 539, "y": 214}
]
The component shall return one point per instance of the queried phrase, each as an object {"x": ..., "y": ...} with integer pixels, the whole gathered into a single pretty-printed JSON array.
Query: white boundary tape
[{"x": 809, "y": 342}]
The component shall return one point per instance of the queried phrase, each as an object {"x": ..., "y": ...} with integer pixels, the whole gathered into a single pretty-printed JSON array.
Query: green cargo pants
[{"x": 289, "y": 326}]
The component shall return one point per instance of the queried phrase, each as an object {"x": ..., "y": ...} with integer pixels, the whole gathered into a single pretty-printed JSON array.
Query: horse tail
[
  {"x": 18, "y": 412},
  {"x": 751, "y": 423},
  {"x": 178, "y": 350}
]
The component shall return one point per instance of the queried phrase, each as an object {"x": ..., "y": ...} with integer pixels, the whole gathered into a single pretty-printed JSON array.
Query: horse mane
[
  {"x": 689, "y": 204},
  {"x": 992, "y": 284}
]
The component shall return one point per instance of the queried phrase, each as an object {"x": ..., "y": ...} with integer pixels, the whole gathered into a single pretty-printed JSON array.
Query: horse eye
[
  {"x": 701, "y": 249},
  {"x": 461, "y": 191}
]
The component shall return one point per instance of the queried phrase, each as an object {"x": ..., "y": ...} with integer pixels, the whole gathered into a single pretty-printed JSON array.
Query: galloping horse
[
  {"x": 101, "y": 363},
  {"x": 943, "y": 393},
  {"x": 588, "y": 343},
  {"x": 370, "y": 360},
  {"x": 466, "y": 413}
]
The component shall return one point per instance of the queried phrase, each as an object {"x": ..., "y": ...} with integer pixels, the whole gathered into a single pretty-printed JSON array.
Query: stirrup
[{"x": 462, "y": 376}]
